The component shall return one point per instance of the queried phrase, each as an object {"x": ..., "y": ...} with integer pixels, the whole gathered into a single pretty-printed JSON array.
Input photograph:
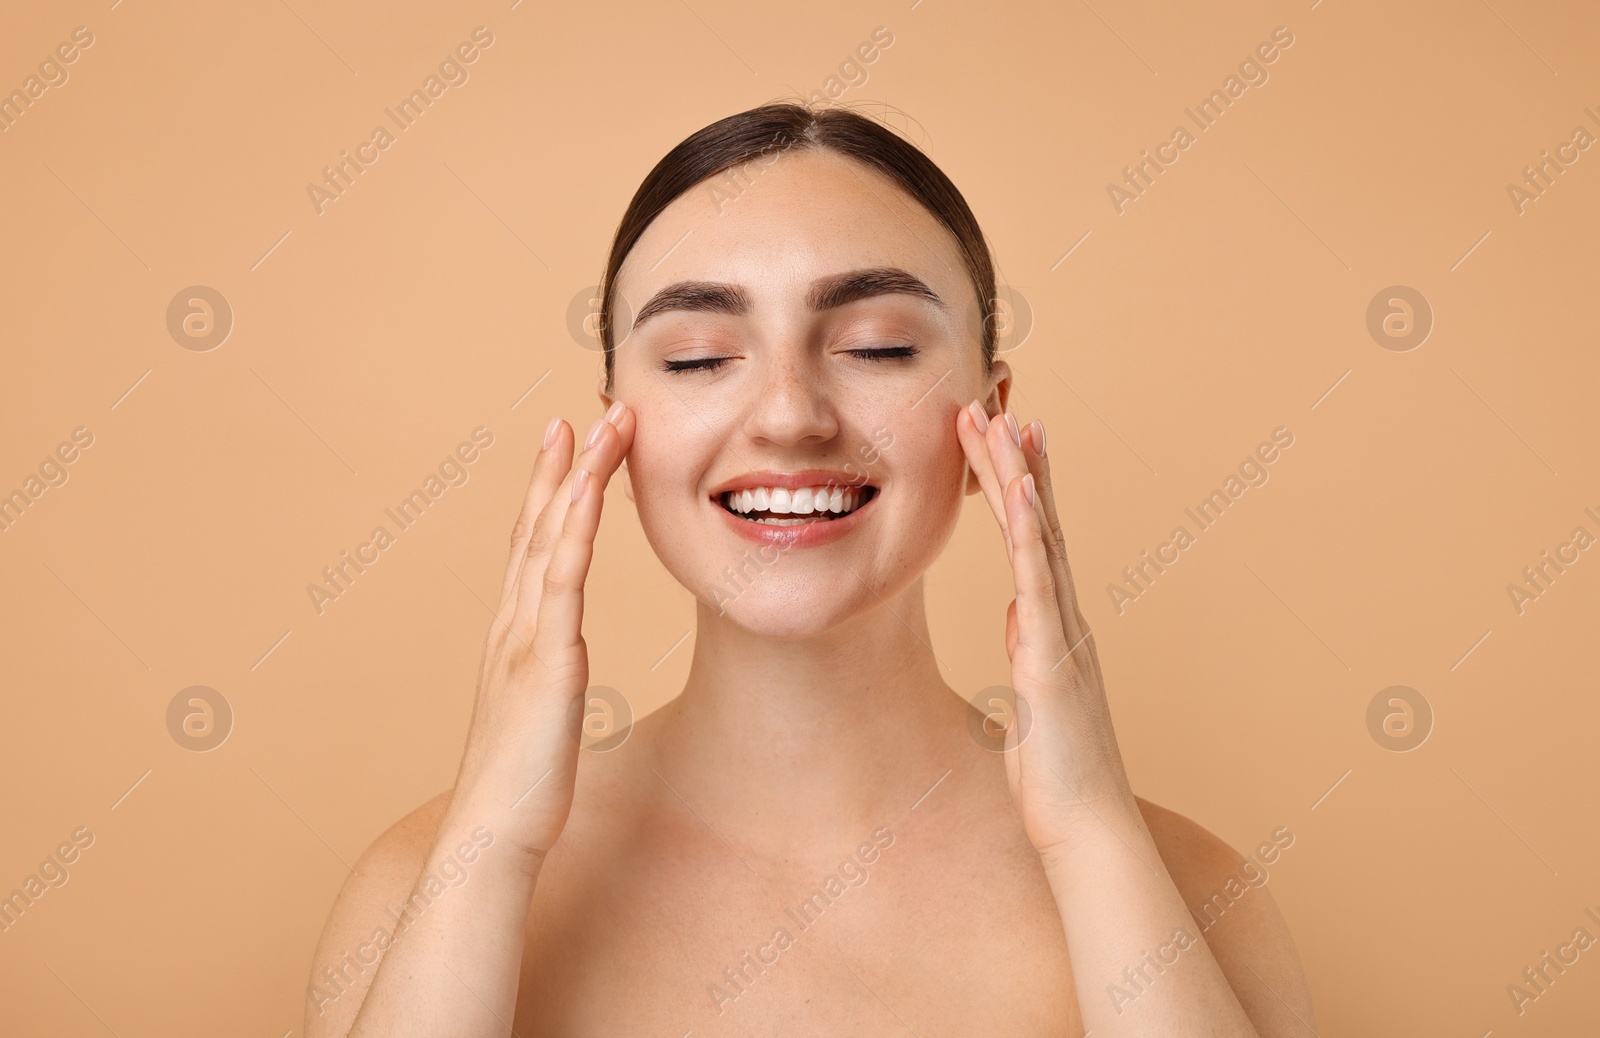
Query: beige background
[{"x": 370, "y": 339}]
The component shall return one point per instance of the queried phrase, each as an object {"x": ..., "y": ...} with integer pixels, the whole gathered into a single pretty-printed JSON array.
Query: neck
[{"x": 812, "y": 742}]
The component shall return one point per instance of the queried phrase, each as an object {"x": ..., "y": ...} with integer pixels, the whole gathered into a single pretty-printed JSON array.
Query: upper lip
[{"x": 789, "y": 480}]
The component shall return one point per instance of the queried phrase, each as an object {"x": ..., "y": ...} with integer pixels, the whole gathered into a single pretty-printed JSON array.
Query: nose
[{"x": 792, "y": 405}]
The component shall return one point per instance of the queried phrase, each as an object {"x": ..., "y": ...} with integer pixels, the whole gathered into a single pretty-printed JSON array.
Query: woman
[{"x": 818, "y": 836}]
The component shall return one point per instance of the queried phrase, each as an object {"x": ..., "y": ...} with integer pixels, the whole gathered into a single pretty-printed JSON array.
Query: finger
[
  {"x": 1076, "y": 627},
  {"x": 549, "y": 468},
  {"x": 1039, "y": 630},
  {"x": 568, "y": 526},
  {"x": 547, "y": 527},
  {"x": 1004, "y": 442},
  {"x": 1054, "y": 540},
  {"x": 974, "y": 441}
]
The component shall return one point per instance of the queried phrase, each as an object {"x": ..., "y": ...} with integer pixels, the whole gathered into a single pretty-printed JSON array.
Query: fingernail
[
  {"x": 978, "y": 417},
  {"x": 614, "y": 412},
  {"x": 1027, "y": 488},
  {"x": 1016, "y": 432},
  {"x": 1038, "y": 434},
  {"x": 550, "y": 432},
  {"x": 594, "y": 433},
  {"x": 579, "y": 481}
]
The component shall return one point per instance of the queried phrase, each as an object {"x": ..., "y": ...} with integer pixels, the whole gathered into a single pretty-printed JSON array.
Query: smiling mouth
[{"x": 775, "y": 506}]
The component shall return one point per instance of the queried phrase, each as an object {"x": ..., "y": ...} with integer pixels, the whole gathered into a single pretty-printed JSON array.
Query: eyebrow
[{"x": 826, "y": 293}]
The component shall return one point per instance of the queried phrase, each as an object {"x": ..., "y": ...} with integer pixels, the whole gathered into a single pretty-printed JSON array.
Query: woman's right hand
[{"x": 520, "y": 762}]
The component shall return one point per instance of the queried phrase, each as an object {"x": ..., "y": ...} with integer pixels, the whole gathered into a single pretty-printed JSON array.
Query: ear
[
  {"x": 998, "y": 399},
  {"x": 1001, "y": 379},
  {"x": 605, "y": 405}
]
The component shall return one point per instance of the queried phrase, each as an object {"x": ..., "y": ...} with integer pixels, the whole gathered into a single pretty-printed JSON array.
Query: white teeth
[{"x": 803, "y": 502}]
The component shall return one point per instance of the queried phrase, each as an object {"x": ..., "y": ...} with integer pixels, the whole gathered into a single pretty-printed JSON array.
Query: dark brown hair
[{"x": 750, "y": 135}]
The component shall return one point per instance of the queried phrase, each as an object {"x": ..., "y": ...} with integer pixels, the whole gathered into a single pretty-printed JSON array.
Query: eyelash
[{"x": 880, "y": 353}]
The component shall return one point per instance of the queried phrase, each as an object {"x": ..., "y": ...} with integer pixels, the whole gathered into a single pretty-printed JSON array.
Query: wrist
[
  {"x": 1086, "y": 826},
  {"x": 490, "y": 831}
]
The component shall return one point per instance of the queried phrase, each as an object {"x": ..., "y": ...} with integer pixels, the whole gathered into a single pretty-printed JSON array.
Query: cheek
[
  {"x": 662, "y": 467},
  {"x": 928, "y": 452},
  {"x": 929, "y": 475},
  {"x": 666, "y": 465}
]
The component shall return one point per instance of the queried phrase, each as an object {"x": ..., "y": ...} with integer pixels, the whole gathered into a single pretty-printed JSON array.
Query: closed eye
[
  {"x": 697, "y": 364},
  {"x": 885, "y": 352},
  {"x": 876, "y": 353}
]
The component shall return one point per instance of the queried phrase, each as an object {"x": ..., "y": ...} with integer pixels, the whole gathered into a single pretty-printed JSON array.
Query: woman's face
[{"x": 748, "y": 369}]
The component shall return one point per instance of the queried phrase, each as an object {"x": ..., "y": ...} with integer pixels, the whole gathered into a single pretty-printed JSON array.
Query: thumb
[{"x": 1011, "y": 629}]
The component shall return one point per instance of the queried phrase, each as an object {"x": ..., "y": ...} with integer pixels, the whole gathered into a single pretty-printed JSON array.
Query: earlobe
[{"x": 627, "y": 481}]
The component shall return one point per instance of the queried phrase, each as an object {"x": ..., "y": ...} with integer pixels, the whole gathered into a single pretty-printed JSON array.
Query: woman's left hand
[{"x": 1067, "y": 768}]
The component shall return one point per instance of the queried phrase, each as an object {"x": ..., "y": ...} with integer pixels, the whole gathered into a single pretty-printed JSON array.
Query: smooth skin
[{"x": 641, "y": 890}]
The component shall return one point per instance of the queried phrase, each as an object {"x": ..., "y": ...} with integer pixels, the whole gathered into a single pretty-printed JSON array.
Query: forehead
[{"x": 783, "y": 222}]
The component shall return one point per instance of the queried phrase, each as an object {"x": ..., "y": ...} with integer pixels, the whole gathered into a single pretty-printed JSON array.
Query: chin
[{"x": 771, "y": 610}]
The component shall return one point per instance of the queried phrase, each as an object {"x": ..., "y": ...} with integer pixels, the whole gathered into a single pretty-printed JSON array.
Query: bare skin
[{"x": 808, "y": 839}]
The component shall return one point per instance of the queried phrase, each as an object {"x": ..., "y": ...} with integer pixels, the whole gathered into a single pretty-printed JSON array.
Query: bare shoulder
[
  {"x": 361, "y": 923},
  {"x": 1236, "y": 915}
]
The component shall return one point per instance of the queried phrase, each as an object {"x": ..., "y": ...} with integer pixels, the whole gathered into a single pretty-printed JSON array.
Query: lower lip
[{"x": 802, "y": 535}]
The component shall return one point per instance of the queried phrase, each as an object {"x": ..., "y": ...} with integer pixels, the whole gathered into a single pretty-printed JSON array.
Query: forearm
[
  {"x": 1139, "y": 963},
  {"x": 454, "y": 963}
]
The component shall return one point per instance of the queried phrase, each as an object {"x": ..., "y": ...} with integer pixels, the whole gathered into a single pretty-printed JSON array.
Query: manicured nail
[
  {"x": 979, "y": 419},
  {"x": 579, "y": 481},
  {"x": 1016, "y": 432},
  {"x": 614, "y": 412},
  {"x": 1027, "y": 488},
  {"x": 594, "y": 433},
  {"x": 550, "y": 432},
  {"x": 1038, "y": 434}
]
